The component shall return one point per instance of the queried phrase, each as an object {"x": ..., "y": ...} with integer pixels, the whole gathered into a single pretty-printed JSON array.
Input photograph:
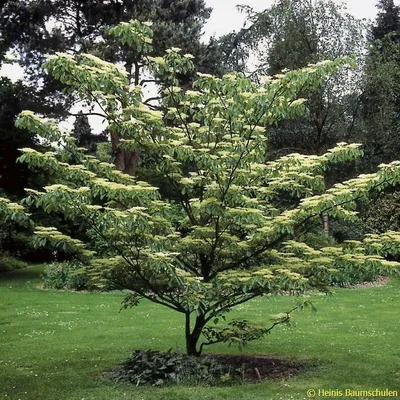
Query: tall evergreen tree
[
  {"x": 387, "y": 20},
  {"x": 84, "y": 134},
  {"x": 14, "y": 97},
  {"x": 40, "y": 27},
  {"x": 45, "y": 26}
]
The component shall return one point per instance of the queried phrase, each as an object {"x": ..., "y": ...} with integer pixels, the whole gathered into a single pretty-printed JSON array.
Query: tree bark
[
  {"x": 126, "y": 160},
  {"x": 131, "y": 159},
  {"x": 192, "y": 337},
  {"x": 325, "y": 221},
  {"x": 119, "y": 156}
]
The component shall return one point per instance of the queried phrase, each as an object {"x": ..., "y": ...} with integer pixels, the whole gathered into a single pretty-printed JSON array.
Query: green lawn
[{"x": 54, "y": 345}]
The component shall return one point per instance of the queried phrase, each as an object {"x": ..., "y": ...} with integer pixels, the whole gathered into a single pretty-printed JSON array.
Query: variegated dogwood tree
[{"x": 229, "y": 233}]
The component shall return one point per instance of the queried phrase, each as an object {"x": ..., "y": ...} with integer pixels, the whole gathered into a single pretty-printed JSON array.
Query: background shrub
[
  {"x": 9, "y": 264},
  {"x": 348, "y": 230},
  {"x": 350, "y": 274},
  {"x": 383, "y": 213},
  {"x": 65, "y": 275},
  {"x": 318, "y": 238}
]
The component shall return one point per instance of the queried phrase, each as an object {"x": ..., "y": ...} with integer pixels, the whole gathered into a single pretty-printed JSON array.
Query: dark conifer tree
[{"x": 35, "y": 28}]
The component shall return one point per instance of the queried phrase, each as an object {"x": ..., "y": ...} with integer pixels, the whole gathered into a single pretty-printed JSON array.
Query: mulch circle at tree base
[
  {"x": 260, "y": 368},
  {"x": 156, "y": 368}
]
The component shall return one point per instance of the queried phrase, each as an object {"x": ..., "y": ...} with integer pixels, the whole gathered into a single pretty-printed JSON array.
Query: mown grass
[{"x": 55, "y": 344}]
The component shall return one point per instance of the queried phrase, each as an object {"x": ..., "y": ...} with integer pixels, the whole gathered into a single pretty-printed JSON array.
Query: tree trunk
[
  {"x": 117, "y": 152},
  {"x": 192, "y": 337},
  {"x": 124, "y": 160},
  {"x": 325, "y": 221},
  {"x": 131, "y": 159}
]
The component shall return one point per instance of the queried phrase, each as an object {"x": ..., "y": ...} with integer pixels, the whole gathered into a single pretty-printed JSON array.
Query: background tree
[
  {"x": 29, "y": 30},
  {"x": 226, "y": 238},
  {"x": 292, "y": 34},
  {"x": 84, "y": 134},
  {"x": 15, "y": 226},
  {"x": 35, "y": 28},
  {"x": 295, "y": 34},
  {"x": 387, "y": 20},
  {"x": 13, "y": 177},
  {"x": 39, "y": 27},
  {"x": 380, "y": 102},
  {"x": 383, "y": 213},
  {"x": 380, "y": 111}
]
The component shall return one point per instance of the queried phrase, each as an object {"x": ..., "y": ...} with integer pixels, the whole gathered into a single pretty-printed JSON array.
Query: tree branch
[{"x": 87, "y": 114}]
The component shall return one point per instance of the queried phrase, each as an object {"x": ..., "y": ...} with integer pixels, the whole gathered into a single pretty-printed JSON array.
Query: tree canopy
[{"x": 230, "y": 231}]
